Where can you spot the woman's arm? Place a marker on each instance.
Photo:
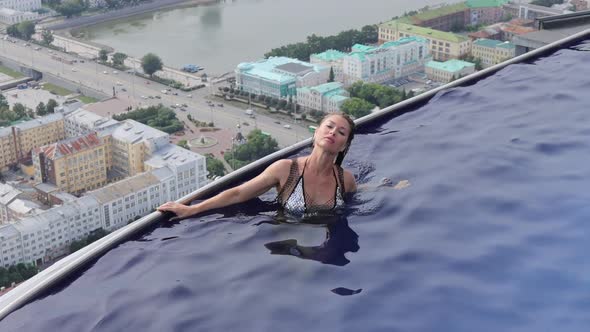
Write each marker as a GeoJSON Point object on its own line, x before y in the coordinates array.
{"type": "Point", "coordinates": [269, 178]}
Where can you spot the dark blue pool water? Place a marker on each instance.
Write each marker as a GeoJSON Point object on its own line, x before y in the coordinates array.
{"type": "Point", "coordinates": [492, 235]}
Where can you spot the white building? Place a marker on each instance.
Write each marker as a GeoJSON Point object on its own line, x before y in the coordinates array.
{"type": "Point", "coordinates": [327, 97]}
{"type": "Point", "coordinates": [8, 194]}
{"type": "Point", "coordinates": [22, 5]}
{"type": "Point", "coordinates": [385, 62]}
{"type": "Point", "coordinates": [279, 77]}
{"type": "Point", "coordinates": [10, 16]}
{"type": "Point", "coordinates": [331, 59]}
{"type": "Point", "coordinates": [82, 122]}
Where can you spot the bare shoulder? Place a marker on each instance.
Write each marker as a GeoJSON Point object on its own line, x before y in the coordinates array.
{"type": "Point", "coordinates": [279, 169]}
{"type": "Point", "coordinates": [349, 181]}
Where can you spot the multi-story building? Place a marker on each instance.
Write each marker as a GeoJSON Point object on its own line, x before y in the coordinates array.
{"type": "Point", "coordinates": [16, 11]}
{"type": "Point", "coordinates": [189, 168]}
{"type": "Point", "coordinates": [8, 194]}
{"type": "Point", "coordinates": [7, 148]}
{"type": "Point", "coordinates": [18, 140]}
{"type": "Point", "coordinates": [331, 59]}
{"type": "Point", "coordinates": [443, 18]}
{"type": "Point", "coordinates": [379, 64]}
{"type": "Point", "coordinates": [21, 5]}
{"type": "Point", "coordinates": [485, 11]}
{"type": "Point", "coordinates": [73, 165]}
{"type": "Point", "coordinates": [529, 11]}
{"type": "Point", "coordinates": [279, 77]}
{"type": "Point", "coordinates": [130, 144]}
{"type": "Point", "coordinates": [47, 235]}
{"type": "Point", "coordinates": [443, 45]}
{"type": "Point", "coordinates": [492, 52]}
{"type": "Point", "coordinates": [449, 70]}
{"type": "Point", "coordinates": [37, 132]}
{"type": "Point", "coordinates": [81, 122]}
{"type": "Point", "coordinates": [579, 5]}
{"type": "Point", "coordinates": [11, 16]}
{"type": "Point", "coordinates": [327, 97]}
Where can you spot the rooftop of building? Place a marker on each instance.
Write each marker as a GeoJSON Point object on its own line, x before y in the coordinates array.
{"type": "Point", "coordinates": [485, 3]}
{"type": "Point", "coordinates": [41, 121]}
{"type": "Point", "coordinates": [70, 146]}
{"type": "Point", "coordinates": [492, 43]}
{"type": "Point", "coordinates": [90, 119]}
{"type": "Point", "coordinates": [8, 193]}
{"type": "Point", "coordinates": [325, 88]}
{"type": "Point", "coordinates": [435, 13]}
{"type": "Point", "coordinates": [172, 155]}
{"type": "Point", "coordinates": [128, 186]}
{"type": "Point", "coordinates": [131, 131]}
{"type": "Point", "coordinates": [329, 55]}
{"type": "Point", "coordinates": [425, 32]}
{"type": "Point", "coordinates": [23, 206]}
{"type": "Point", "coordinates": [360, 51]}
{"type": "Point", "coordinates": [541, 8]}
{"type": "Point", "coordinates": [267, 68]}
{"type": "Point", "coordinates": [452, 65]}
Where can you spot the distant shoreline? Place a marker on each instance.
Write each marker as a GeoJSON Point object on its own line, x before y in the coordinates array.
{"type": "Point", "coordinates": [126, 12]}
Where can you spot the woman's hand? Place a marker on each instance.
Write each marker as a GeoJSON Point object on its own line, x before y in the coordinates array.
{"type": "Point", "coordinates": [182, 211]}
{"type": "Point", "coordinates": [386, 182]}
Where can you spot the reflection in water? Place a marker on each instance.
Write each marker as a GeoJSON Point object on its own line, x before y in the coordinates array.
{"type": "Point", "coordinates": [340, 239]}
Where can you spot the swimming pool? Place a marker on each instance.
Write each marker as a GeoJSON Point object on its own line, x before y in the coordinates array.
{"type": "Point", "coordinates": [490, 236]}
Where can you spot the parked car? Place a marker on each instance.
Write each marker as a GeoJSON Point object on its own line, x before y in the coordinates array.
{"type": "Point", "coordinates": [220, 105]}
{"type": "Point", "coordinates": [105, 72]}
{"type": "Point", "coordinates": [143, 97]}
{"type": "Point", "coordinates": [115, 72]}
{"type": "Point", "coordinates": [157, 97]}
{"type": "Point", "coordinates": [287, 126]}
{"type": "Point", "coordinates": [184, 105]}
{"type": "Point", "coordinates": [189, 96]}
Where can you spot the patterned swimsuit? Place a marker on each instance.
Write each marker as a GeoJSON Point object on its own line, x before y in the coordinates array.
{"type": "Point", "coordinates": [296, 202]}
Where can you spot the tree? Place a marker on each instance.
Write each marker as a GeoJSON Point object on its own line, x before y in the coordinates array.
{"type": "Point", "coordinates": [119, 58]}
{"type": "Point", "coordinates": [214, 166]}
{"type": "Point", "coordinates": [51, 105]}
{"type": "Point", "coordinates": [3, 102]}
{"type": "Point", "coordinates": [257, 146]}
{"type": "Point", "coordinates": [41, 110]}
{"type": "Point", "coordinates": [69, 8]}
{"type": "Point", "coordinates": [151, 63]}
{"type": "Point", "coordinates": [13, 31]}
{"type": "Point", "coordinates": [19, 108]}
{"type": "Point", "coordinates": [331, 77]}
{"type": "Point", "coordinates": [356, 107]}
{"type": "Point", "coordinates": [103, 55]}
{"type": "Point", "coordinates": [26, 29]}
{"type": "Point", "coordinates": [47, 37]}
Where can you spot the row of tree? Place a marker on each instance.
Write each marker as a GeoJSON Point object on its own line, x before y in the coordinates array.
{"type": "Point", "coordinates": [20, 112]}
{"type": "Point", "coordinates": [366, 96]}
{"type": "Point", "coordinates": [94, 235]}
{"type": "Point", "coordinates": [23, 30]}
{"type": "Point", "coordinates": [16, 273]}
{"type": "Point", "coordinates": [215, 166]}
{"type": "Point", "coordinates": [258, 145]}
{"type": "Point", "coordinates": [317, 44]}
{"type": "Point", "coordinates": [158, 116]}
{"type": "Point", "coordinates": [117, 60]}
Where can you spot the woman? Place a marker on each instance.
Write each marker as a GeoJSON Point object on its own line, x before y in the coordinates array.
{"type": "Point", "coordinates": [305, 185]}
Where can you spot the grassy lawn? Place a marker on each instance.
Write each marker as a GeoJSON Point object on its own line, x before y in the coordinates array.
{"type": "Point", "coordinates": [10, 72]}
{"type": "Point", "coordinates": [58, 90]}
{"type": "Point", "coordinates": [86, 99]}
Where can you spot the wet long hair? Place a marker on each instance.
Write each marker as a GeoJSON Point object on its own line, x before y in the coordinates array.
{"type": "Point", "coordinates": [350, 121]}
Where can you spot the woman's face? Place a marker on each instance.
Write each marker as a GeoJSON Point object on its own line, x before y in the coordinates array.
{"type": "Point", "coordinates": [332, 134]}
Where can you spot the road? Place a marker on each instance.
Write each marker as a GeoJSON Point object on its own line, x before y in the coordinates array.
{"type": "Point", "coordinates": [138, 91]}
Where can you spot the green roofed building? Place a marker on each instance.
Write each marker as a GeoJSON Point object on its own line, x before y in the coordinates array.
{"type": "Point", "coordinates": [279, 77]}
{"type": "Point", "coordinates": [449, 70]}
{"type": "Point", "coordinates": [492, 51]}
{"type": "Point", "coordinates": [376, 64]}
{"type": "Point", "coordinates": [485, 11]}
{"type": "Point", "coordinates": [443, 45]}
{"type": "Point", "coordinates": [443, 18]}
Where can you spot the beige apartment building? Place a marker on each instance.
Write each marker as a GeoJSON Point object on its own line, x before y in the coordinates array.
{"type": "Point", "coordinates": [16, 142]}
{"type": "Point", "coordinates": [443, 45]}
{"type": "Point", "coordinates": [74, 165]}
{"type": "Point", "coordinates": [492, 52]}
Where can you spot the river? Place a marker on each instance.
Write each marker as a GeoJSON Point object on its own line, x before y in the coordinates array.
{"type": "Point", "coordinates": [221, 35]}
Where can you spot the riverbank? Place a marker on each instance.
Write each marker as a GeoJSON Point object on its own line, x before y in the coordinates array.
{"type": "Point", "coordinates": [127, 12]}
